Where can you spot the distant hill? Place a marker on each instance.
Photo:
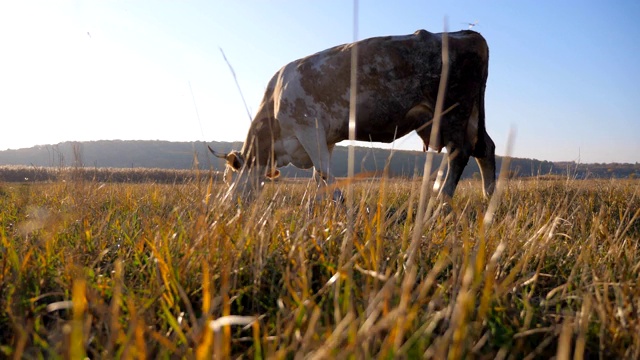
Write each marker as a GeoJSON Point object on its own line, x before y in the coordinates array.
{"type": "Point", "coordinates": [117, 154]}
{"type": "Point", "coordinates": [189, 155]}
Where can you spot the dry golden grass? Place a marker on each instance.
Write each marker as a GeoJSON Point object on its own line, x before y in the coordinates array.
{"type": "Point", "coordinates": [155, 271]}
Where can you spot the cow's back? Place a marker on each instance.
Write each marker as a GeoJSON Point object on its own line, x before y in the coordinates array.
{"type": "Point", "coordinates": [394, 73]}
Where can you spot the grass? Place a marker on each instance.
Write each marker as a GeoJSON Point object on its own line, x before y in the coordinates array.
{"type": "Point", "coordinates": [109, 270]}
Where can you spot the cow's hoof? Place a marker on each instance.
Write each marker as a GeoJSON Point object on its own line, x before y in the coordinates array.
{"type": "Point", "coordinates": [338, 197]}
{"type": "Point", "coordinates": [446, 208]}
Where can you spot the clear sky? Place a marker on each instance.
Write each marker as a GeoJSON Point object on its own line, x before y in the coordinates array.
{"type": "Point", "coordinates": [565, 75]}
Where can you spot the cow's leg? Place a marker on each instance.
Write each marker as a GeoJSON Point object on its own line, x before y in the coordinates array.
{"type": "Point", "coordinates": [458, 157]}
{"type": "Point", "coordinates": [314, 142]}
{"type": "Point", "coordinates": [486, 158]}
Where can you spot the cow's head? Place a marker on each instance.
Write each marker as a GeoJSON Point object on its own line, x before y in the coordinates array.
{"type": "Point", "coordinates": [244, 178]}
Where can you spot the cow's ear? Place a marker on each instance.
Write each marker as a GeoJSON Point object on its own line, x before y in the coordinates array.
{"type": "Point", "coordinates": [235, 160]}
{"type": "Point", "coordinates": [273, 174]}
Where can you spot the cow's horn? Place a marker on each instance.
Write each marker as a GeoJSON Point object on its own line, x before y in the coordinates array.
{"type": "Point", "coordinates": [218, 155]}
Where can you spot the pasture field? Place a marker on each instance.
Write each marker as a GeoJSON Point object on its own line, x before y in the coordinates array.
{"type": "Point", "coordinates": [106, 270]}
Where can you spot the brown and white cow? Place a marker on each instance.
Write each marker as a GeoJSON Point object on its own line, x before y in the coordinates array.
{"type": "Point", "coordinates": [305, 109]}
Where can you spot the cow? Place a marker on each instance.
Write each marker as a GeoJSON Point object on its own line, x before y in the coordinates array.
{"type": "Point", "coordinates": [305, 109]}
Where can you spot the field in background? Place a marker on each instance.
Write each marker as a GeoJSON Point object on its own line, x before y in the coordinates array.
{"type": "Point", "coordinates": [30, 174]}
{"type": "Point", "coordinates": [153, 270]}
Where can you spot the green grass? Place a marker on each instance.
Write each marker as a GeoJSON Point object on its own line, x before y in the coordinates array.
{"type": "Point", "coordinates": [156, 271]}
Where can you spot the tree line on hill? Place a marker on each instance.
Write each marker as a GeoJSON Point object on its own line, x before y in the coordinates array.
{"type": "Point", "coordinates": [194, 155]}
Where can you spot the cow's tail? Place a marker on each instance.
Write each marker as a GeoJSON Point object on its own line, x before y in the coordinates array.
{"type": "Point", "coordinates": [480, 150]}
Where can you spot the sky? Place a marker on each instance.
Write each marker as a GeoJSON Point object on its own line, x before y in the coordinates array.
{"type": "Point", "coordinates": [564, 76]}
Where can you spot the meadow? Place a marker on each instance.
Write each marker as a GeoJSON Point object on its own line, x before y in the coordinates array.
{"type": "Point", "coordinates": [115, 270]}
